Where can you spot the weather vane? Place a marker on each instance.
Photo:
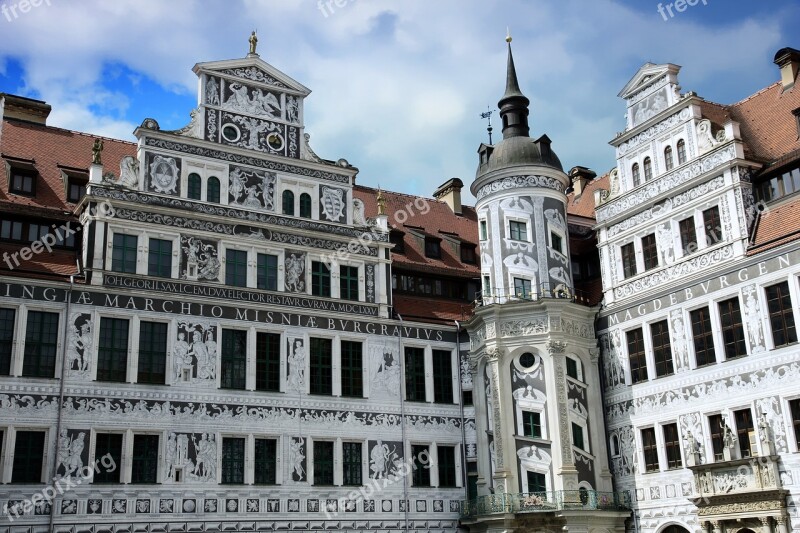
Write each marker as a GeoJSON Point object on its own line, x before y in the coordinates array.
{"type": "Point", "coordinates": [488, 115]}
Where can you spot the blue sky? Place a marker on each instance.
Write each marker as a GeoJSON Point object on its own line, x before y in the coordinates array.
{"type": "Point", "coordinates": [398, 85]}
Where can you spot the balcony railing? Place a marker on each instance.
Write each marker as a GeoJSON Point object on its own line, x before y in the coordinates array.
{"type": "Point", "coordinates": [534, 294]}
{"type": "Point", "coordinates": [546, 502]}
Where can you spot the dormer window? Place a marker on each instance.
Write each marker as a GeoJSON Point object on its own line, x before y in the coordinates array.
{"type": "Point", "coordinates": [433, 248]}
{"type": "Point", "coordinates": [468, 253]}
{"type": "Point", "coordinates": [22, 181]}
{"type": "Point", "coordinates": [396, 238]}
{"type": "Point", "coordinates": [637, 178]}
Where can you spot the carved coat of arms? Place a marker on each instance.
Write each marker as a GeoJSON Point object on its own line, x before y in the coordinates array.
{"type": "Point", "coordinates": [333, 203]}
{"type": "Point", "coordinates": [164, 174]}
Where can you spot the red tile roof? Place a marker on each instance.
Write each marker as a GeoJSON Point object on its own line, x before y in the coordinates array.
{"type": "Point", "coordinates": [766, 121]}
{"type": "Point", "coordinates": [583, 206]}
{"type": "Point", "coordinates": [777, 225]}
{"type": "Point", "coordinates": [427, 309]}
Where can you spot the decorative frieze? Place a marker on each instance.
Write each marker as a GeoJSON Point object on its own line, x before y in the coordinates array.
{"type": "Point", "coordinates": [654, 131]}
{"type": "Point", "coordinates": [518, 182]}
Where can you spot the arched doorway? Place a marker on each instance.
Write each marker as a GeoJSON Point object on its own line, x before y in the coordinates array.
{"type": "Point", "coordinates": [674, 529]}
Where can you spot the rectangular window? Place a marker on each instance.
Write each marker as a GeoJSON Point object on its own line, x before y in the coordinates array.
{"type": "Point", "coordinates": [484, 230]}
{"type": "Point", "coordinates": [233, 373]}
{"type": "Point", "coordinates": [522, 288]}
{"type": "Point", "coordinates": [487, 286]}
{"type": "Point", "coordinates": [433, 248]}
{"type": "Point", "coordinates": [577, 436]}
{"type": "Point", "coordinates": [323, 463]}
{"type": "Point", "coordinates": [236, 268]}
{"type": "Point", "coordinates": [265, 460]}
{"type": "Point", "coordinates": [321, 367]}
{"type": "Point", "coordinates": [233, 461]}
{"type": "Point", "coordinates": [781, 317]}
{"type": "Point", "coordinates": [108, 444]}
{"type": "Point", "coordinates": [794, 406]}
{"type": "Point", "coordinates": [415, 374]}
{"type": "Point", "coordinates": [112, 353]}
{"type": "Point", "coordinates": [447, 466]}
{"type": "Point", "coordinates": [348, 282]}
{"type": "Point", "coordinates": [159, 258]}
{"type": "Point", "coordinates": [703, 335]}
{"type": "Point", "coordinates": [28, 457]}
{"type": "Point", "coordinates": [11, 230]}
{"type": "Point", "coordinates": [532, 425]}
{"type": "Point", "coordinates": [396, 238]}
{"type": "Point", "coordinates": [75, 190]}
{"type": "Point", "coordinates": [717, 436]}
{"type": "Point", "coordinates": [352, 369]}
{"type": "Point", "coordinates": [145, 459]}
{"type": "Point", "coordinates": [320, 279]}
{"type": "Point", "coordinates": [267, 272]}
{"type": "Point", "coordinates": [650, 251]}
{"type": "Point", "coordinates": [557, 242]}
{"type": "Point", "coordinates": [421, 476]}
{"type": "Point", "coordinates": [650, 449]}
{"type": "Point", "coordinates": [518, 231]}
{"type": "Point", "coordinates": [537, 483]}
{"type": "Point", "coordinates": [662, 351]}
{"type": "Point", "coordinates": [672, 446]}
{"type": "Point", "coordinates": [41, 343]}
{"type": "Point", "coordinates": [268, 362]}
{"type": "Point", "coordinates": [636, 356]}
{"type": "Point", "coordinates": [123, 253]}
{"type": "Point", "coordinates": [744, 427]}
{"type": "Point", "coordinates": [351, 464]}
{"type": "Point", "coordinates": [7, 317]}
{"type": "Point", "coordinates": [442, 376]}
{"type": "Point", "coordinates": [628, 260]}
{"type": "Point", "coordinates": [688, 235]}
{"type": "Point", "coordinates": [468, 253]}
{"type": "Point", "coordinates": [152, 353]}
{"type": "Point", "coordinates": [730, 317]}
{"type": "Point", "coordinates": [572, 368]}
{"type": "Point", "coordinates": [22, 182]}
{"type": "Point", "coordinates": [712, 225]}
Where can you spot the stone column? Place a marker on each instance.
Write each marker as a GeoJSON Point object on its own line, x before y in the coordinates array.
{"type": "Point", "coordinates": [765, 525]}
{"type": "Point", "coordinates": [716, 527]}
{"type": "Point", "coordinates": [568, 473]}
{"type": "Point", "coordinates": [782, 521]}
{"type": "Point", "coordinates": [501, 473]}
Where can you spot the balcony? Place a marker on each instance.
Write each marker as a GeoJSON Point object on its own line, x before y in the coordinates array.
{"type": "Point", "coordinates": [545, 502]}
{"type": "Point", "coordinates": [738, 476]}
{"type": "Point", "coordinates": [544, 291]}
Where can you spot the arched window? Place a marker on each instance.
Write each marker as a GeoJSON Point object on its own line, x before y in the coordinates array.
{"type": "Point", "coordinates": [305, 205]}
{"type": "Point", "coordinates": [681, 152]}
{"type": "Point", "coordinates": [637, 179]}
{"type": "Point", "coordinates": [648, 169]}
{"type": "Point", "coordinates": [195, 187]}
{"type": "Point", "coordinates": [669, 163]}
{"type": "Point", "coordinates": [288, 203]}
{"type": "Point", "coordinates": [212, 190]}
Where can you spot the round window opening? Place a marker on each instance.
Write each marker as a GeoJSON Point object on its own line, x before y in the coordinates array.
{"type": "Point", "coordinates": [275, 141]}
{"type": "Point", "coordinates": [527, 360]}
{"type": "Point", "coordinates": [231, 133]}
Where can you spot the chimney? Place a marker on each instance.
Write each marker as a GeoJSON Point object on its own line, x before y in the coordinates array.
{"type": "Point", "coordinates": [788, 60]}
{"type": "Point", "coordinates": [580, 176]}
{"type": "Point", "coordinates": [449, 192]}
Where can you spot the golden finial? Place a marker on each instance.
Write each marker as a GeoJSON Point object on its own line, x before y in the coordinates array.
{"type": "Point", "coordinates": [253, 43]}
{"type": "Point", "coordinates": [508, 35]}
{"type": "Point", "coordinates": [381, 202]}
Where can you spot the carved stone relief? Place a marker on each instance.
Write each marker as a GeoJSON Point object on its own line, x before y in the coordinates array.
{"type": "Point", "coordinates": [295, 268]}
{"type": "Point", "coordinates": [79, 348]}
{"type": "Point", "coordinates": [250, 188]}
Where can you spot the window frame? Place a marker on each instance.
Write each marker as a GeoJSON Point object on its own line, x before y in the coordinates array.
{"type": "Point", "coordinates": [233, 363]}
{"type": "Point", "coordinates": [703, 336]}
{"type": "Point", "coordinates": [650, 450]}
{"type": "Point", "coordinates": [352, 469]}
{"type": "Point", "coordinates": [265, 467]}
{"type": "Point", "coordinates": [7, 344]}
{"type": "Point", "coordinates": [351, 364]}
{"type": "Point", "coordinates": [628, 255]}
{"type": "Point", "coordinates": [640, 356]}
{"type": "Point", "coordinates": [103, 475]}
{"type": "Point", "coordinates": [287, 202]}
{"type": "Point", "coordinates": [532, 424]}
{"type": "Point", "coordinates": [233, 461]}
{"type": "Point", "coordinates": [236, 267]}
{"type": "Point", "coordinates": [414, 368]}
{"type": "Point", "coordinates": [518, 230]}
{"type": "Point", "coordinates": [442, 370]}
{"type": "Point", "coordinates": [688, 231]}
{"type": "Point", "coordinates": [157, 359]}
{"type": "Point", "coordinates": [320, 279]}
{"type": "Point", "coordinates": [669, 161]}
{"type": "Point", "coordinates": [780, 313]}
{"type": "Point", "coordinates": [26, 174]}
{"type": "Point", "coordinates": [157, 257]}
{"type": "Point", "coordinates": [711, 224]}
{"type": "Point", "coordinates": [194, 186]}
{"type": "Point", "coordinates": [681, 149]}
{"type": "Point", "coordinates": [29, 453]}
{"type": "Point", "coordinates": [268, 364]}
{"type": "Point", "coordinates": [324, 456]}
{"type": "Point", "coordinates": [141, 465]}
{"type": "Point", "coordinates": [320, 366]}
{"type": "Point", "coordinates": [661, 346]}
{"type": "Point", "coordinates": [672, 446]}
{"type": "Point", "coordinates": [122, 264]}
{"type": "Point", "coordinates": [213, 190]}
{"type": "Point", "coordinates": [448, 478]}
{"type": "Point", "coordinates": [421, 473]}
{"type": "Point", "coordinates": [349, 286]}
{"type": "Point", "coordinates": [732, 334]}
{"type": "Point", "coordinates": [36, 363]}
{"type": "Point", "coordinates": [108, 366]}
{"type": "Point", "coordinates": [647, 165]}
{"type": "Point", "coordinates": [650, 251]}
{"type": "Point", "coordinates": [305, 205]}
{"type": "Point", "coordinates": [267, 273]}
{"type": "Point", "coordinates": [636, 175]}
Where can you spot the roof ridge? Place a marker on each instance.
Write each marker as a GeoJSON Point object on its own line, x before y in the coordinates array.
{"type": "Point", "coordinates": [76, 132]}
{"type": "Point", "coordinates": [757, 93]}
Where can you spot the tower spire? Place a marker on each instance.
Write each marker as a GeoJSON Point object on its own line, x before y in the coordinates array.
{"type": "Point", "coordinates": [514, 105]}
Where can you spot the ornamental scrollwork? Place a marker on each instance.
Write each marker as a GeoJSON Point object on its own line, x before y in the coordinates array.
{"type": "Point", "coordinates": [514, 182]}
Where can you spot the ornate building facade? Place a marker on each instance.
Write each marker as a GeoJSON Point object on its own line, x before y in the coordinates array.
{"type": "Point", "coordinates": [697, 230]}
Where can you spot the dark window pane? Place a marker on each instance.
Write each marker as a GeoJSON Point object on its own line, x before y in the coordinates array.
{"type": "Point", "coordinates": [123, 254]}
{"type": "Point", "coordinates": [650, 251]}
{"type": "Point", "coordinates": [669, 163]}
{"type": "Point", "coordinates": [650, 449]}
{"type": "Point", "coordinates": [537, 482]}
{"type": "Point", "coordinates": [703, 335]}
{"type": "Point", "coordinates": [713, 227]}
{"type": "Point", "coordinates": [212, 190]}
{"type": "Point", "coordinates": [532, 425]}
{"type": "Point", "coordinates": [236, 268]}
{"type": "Point", "coordinates": [447, 466]}
{"type": "Point", "coordinates": [351, 463]}
{"type": "Point", "coordinates": [268, 361]}
{"type": "Point", "coordinates": [636, 355]}
{"type": "Point", "coordinates": [348, 282]}
{"type": "Point", "coordinates": [41, 343]}
{"type": "Point", "coordinates": [794, 406]}
{"type": "Point", "coordinates": [744, 427]}
{"type": "Point", "coordinates": [672, 446]}
{"type": "Point", "coordinates": [628, 260]}
{"type": "Point", "coordinates": [7, 317]}
{"type": "Point", "coordinates": [717, 436]}
{"type": "Point", "coordinates": [234, 359]}
{"type": "Point", "coordinates": [352, 371]}
{"type": "Point", "coordinates": [323, 463]}
{"type": "Point", "coordinates": [732, 330]}
{"type": "Point", "coordinates": [415, 374]}
{"type": "Point", "coordinates": [265, 460]}
{"type": "Point", "coordinates": [518, 231]}
{"type": "Point", "coordinates": [288, 202]}
{"type": "Point", "coordinates": [195, 187]}
{"type": "Point", "coordinates": [577, 436]}
{"type": "Point", "coordinates": [421, 476]}
{"type": "Point", "coordinates": [28, 457]}
{"type": "Point", "coordinates": [433, 248]}
{"type": "Point", "coordinates": [781, 317]}
{"type": "Point", "coordinates": [159, 258]}
{"type": "Point", "coordinates": [305, 205]}
{"type": "Point", "coordinates": [152, 353]}
{"type": "Point", "coordinates": [145, 459]}
{"type": "Point", "coordinates": [648, 169]}
{"type": "Point", "coordinates": [320, 279]}
{"type": "Point", "coordinates": [442, 376]}
{"type": "Point", "coordinates": [108, 445]}
{"type": "Point", "coordinates": [688, 235]}
{"type": "Point", "coordinates": [233, 460]}
{"type": "Point", "coordinates": [112, 353]}
{"type": "Point", "coordinates": [636, 174]}
{"type": "Point", "coordinates": [321, 367]}
{"type": "Point", "coordinates": [662, 351]}
{"type": "Point", "coordinates": [572, 368]}
{"type": "Point", "coordinates": [267, 275]}
{"type": "Point", "coordinates": [681, 152]}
